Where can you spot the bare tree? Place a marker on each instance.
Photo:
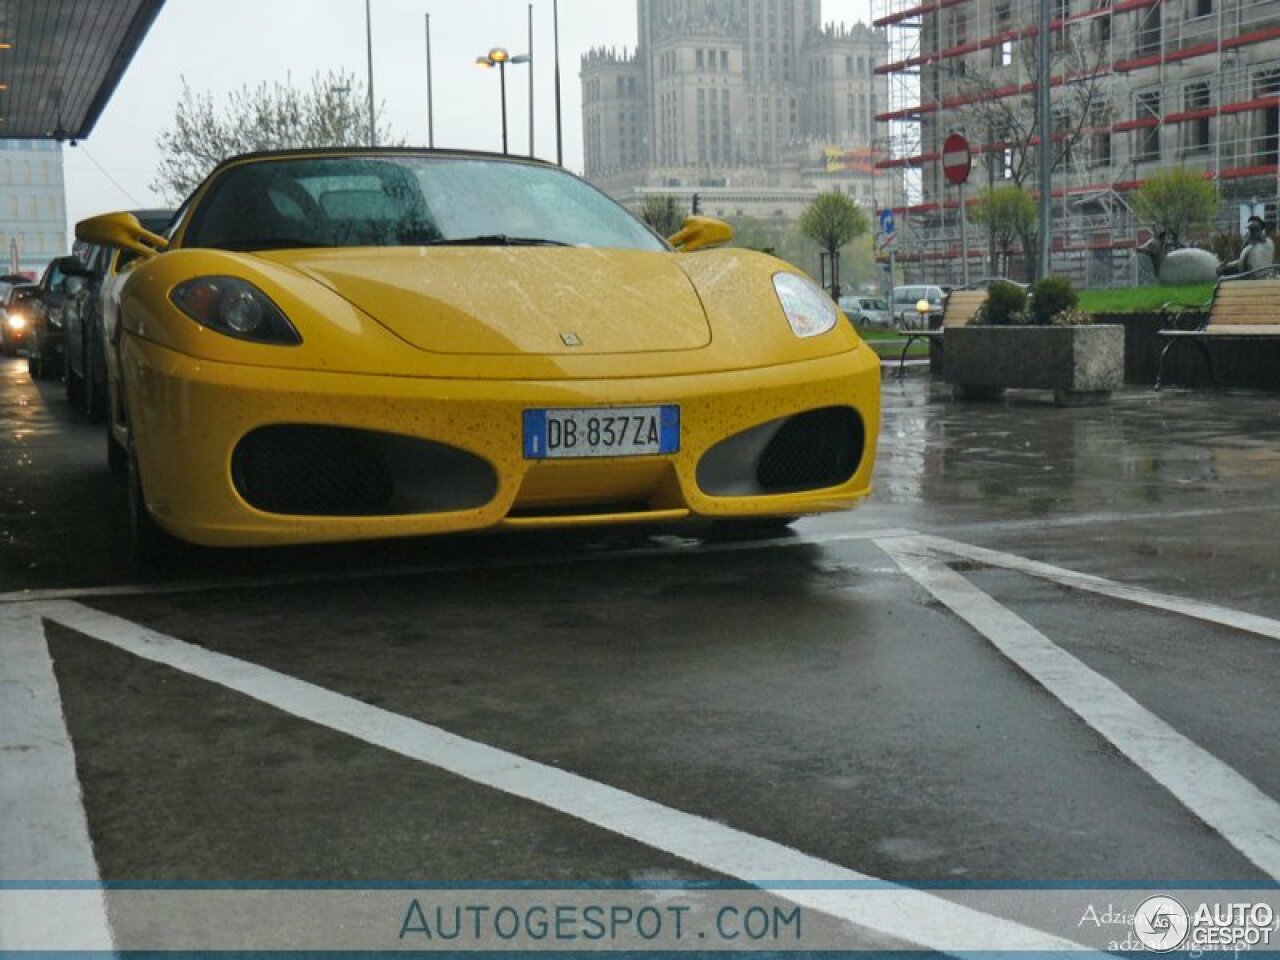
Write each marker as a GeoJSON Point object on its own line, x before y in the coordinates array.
{"type": "Point", "coordinates": [1007, 117]}
{"type": "Point", "coordinates": [662, 213]}
{"type": "Point", "coordinates": [1004, 114]}
{"type": "Point", "coordinates": [332, 113]}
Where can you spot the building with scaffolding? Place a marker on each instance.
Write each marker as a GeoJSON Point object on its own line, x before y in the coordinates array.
{"type": "Point", "coordinates": [753, 105]}
{"type": "Point", "coordinates": [1138, 86]}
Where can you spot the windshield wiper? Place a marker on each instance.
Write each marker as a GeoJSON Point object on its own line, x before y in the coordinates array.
{"type": "Point", "coordinates": [496, 240]}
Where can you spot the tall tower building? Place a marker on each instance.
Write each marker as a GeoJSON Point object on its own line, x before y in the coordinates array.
{"type": "Point", "coordinates": [753, 104]}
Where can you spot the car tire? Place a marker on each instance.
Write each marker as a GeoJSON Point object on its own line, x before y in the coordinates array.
{"type": "Point", "coordinates": [95, 401]}
{"type": "Point", "coordinates": [74, 384]}
{"type": "Point", "coordinates": [117, 456]}
{"type": "Point", "coordinates": [151, 545]}
{"type": "Point", "coordinates": [749, 528]}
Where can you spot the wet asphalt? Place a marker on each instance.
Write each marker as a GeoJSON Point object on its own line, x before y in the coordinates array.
{"type": "Point", "coordinates": [803, 690]}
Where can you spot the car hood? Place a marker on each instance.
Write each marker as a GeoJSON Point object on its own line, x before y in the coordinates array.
{"type": "Point", "coordinates": [516, 300]}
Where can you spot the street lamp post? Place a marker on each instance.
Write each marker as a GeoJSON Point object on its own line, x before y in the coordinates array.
{"type": "Point", "coordinates": [499, 57]}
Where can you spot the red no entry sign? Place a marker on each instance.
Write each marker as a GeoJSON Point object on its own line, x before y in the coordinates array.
{"type": "Point", "coordinates": [957, 159]}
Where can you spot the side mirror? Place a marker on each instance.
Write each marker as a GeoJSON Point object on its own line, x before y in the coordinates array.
{"type": "Point", "coordinates": [698, 233]}
{"type": "Point", "coordinates": [122, 231]}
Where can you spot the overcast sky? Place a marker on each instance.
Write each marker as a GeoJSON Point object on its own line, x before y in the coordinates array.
{"type": "Point", "coordinates": [220, 45]}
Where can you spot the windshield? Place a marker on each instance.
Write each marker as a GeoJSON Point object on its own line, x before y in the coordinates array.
{"type": "Point", "coordinates": [406, 200]}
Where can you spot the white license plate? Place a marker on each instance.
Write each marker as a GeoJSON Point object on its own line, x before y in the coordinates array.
{"type": "Point", "coordinates": [601, 432]}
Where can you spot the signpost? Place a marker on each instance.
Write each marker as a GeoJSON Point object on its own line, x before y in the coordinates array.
{"type": "Point", "coordinates": [957, 161]}
{"type": "Point", "coordinates": [887, 227]}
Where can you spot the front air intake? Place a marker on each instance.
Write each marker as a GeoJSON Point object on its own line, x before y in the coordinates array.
{"type": "Point", "coordinates": [806, 451]}
{"type": "Point", "coordinates": [311, 470]}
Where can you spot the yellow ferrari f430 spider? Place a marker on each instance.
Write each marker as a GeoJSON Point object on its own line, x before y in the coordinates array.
{"type": "Point", "coordinates": [356, 343]}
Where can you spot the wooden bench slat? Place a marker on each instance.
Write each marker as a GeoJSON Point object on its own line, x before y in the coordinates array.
{"type": "Point", "coordinates": [1243, 329]}
{"type": "Point", "coordinates": [1251, 319]}
{"type": "Point", "coordinates": [962, 306]}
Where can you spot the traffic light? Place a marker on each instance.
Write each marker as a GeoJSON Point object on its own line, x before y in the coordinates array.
{"type": "Point", "coordinates": [697, 205]}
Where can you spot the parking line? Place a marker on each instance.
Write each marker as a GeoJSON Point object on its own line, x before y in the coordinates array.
{"type": "Point", "coordinates": [44, 835]}
{"type": "Point", "coordinates": [910, 915]}
{"type": "Point", "coordinates": [412, 570]}
{"type": "Point", "coordinates": [1246, 817]}
{"type": "Point", "coordinates": [1208, 612]}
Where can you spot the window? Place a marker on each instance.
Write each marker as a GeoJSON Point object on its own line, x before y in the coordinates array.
{"type": "Point", "coordinates": [1148, 38]}
{"type": "Point", "coordinates": [1199, 8]}
{"type": "Point", "coordinates": [1266, 83]}
{"type": "Point", "coordinates": [1062, 133]}
{"type": "Point", "coordinates": [1002, 55]}
{"type": "Point", "coordinates": [1196, 97]}
{"type": "Point", "coordinates": [698, 60]}
{"type": "Point", "coordinates": [1100, 136]}
{"type": "Point", "coordinates": [1147, 146]}
{"type": "Point", "coordinates": [724, 60]}
{"type": "Point", "coordinates": [1102, 27]}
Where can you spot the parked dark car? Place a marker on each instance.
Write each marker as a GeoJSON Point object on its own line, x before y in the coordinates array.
{"type": "Point", "coordinates": [83, 329]}
{"type": "Point", "coordinates": [63, 277]}
{"type": "Point", "coordinates": [21, 302]}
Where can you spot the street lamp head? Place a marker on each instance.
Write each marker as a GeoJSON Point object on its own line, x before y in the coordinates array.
{"type": "Point", "coordinates": [499, 55]}
{"type": "Point", "coordinates": [521, 58]}
{"type": "Point", "coordinates": [484, 62]}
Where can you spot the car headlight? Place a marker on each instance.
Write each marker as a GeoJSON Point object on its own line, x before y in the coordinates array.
{"type": "Point", "coordinates": [809, 310]}
{"type": "Point", "coordinates": [17, 321]}
{"type": "Point", "coordinates": [236, 308]}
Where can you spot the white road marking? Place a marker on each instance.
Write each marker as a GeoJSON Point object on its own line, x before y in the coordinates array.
{"type": "Point", "coordinates": [902, 913]}
{"type": "Point", "coordinates": [410, 570]}
{"type": "Point", "coordinates": [44, 835]}
{"type": "Point", "coordinates": [1245, 816]}
{"type": "Point", "coordinates": [1208, 612]}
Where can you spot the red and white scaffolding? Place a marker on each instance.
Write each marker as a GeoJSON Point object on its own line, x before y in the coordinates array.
{"type": "Point", "coordinates": [1191, 83]}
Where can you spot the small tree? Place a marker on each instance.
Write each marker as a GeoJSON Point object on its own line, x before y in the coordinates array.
{"type": "Point", "coordinates": [1009, 214]}
{"type": "Point", "coordinates": [333, 113]}
{"type": "Point", "coordinates": [1005, 305]}
{"type": "Point", "coordinates": [831, 221]}
{"type": "Point", "coordinates": [1176, 202]}
{"type": "Point", "coordinates": [662, 214]}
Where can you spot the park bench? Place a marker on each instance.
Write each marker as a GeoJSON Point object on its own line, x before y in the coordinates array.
{"type": "Point", "coordinates": [1243, 307]}
{"type": "Point", "coordinates": [961, 307]}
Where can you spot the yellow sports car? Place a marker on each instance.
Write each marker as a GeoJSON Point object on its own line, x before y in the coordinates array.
{"type": "Point", "coordinates": [343, 344]}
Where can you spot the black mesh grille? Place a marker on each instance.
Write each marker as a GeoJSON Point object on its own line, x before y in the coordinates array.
{"type": "Point", "coordinates": [311, 470]}
{"type": "Point", "coordinates": [820, 448]}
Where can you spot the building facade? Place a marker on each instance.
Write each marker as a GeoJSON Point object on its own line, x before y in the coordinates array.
{"type": "Point", "coordinates": [33, 205]}
{"type": "Point", "coordinates": [753, 105]}
{"type": "Point", "coordinates": [1137, 87]}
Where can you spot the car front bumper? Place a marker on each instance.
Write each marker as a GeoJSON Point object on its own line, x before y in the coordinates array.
{"type": "Point", "coordinates": [191, 416]}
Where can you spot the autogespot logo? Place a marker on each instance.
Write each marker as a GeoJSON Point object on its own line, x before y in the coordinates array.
{"type": "Point", "coordinates": [1161, 923]}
